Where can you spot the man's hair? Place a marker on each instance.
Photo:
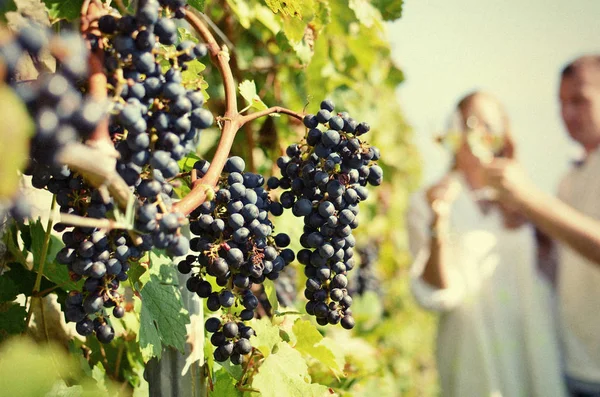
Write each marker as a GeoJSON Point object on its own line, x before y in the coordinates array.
{"type": "Point", "coordinates": [579, 64]}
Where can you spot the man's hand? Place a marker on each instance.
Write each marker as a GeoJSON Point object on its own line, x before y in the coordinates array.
{"type": "Point", "coordinates": [509, 180]}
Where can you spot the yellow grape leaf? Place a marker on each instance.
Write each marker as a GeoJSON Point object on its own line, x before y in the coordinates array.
{"type": "Point", "coordinates": [14, 140]}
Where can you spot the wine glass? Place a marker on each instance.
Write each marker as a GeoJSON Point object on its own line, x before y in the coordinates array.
{"type": "Point", "coordinates": [486, 140]}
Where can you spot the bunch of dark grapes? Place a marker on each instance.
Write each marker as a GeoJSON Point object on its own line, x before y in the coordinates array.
{"type": "Point", "coordinates": [100, 258]}
{"type": "Point", "coordinates": [324, 178]}
{"type": "Point", "coordinates": [60, 112]}
{"type": "Point", "coordinates": [236, 247]}
{"type": "Point", "coordinates": [366, 278]}
{"type": "Point", "coordinates": [156, 120]}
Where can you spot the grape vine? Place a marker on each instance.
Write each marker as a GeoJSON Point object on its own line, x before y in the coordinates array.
{"type": "Point", "coordinates": [116, 128]}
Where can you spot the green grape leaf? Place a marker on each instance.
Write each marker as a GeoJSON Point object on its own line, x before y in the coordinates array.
{"type": "Point", "coordinates": [31, 369]}
{"type": "Point", "coordinates": [182, 190]}
{"type": "Point", "coordinates": [12, 244]}
{"type": "Point", "coordinates": [99, 375]}
{"type": "Point", "coordinates": [185, 35]}
{"type": "Point", "coordinates": [301, 33]}
{"type": "Point", "coordinates": [224, 385]}
{"type": "Point", "coordinates": [322, 15]}
{"type": "Point", "coordinates": [53, 271]}
{"type": "Point", "coordinates": [303, 51]}
{"type": "Point", "coordinates": [266, 17]}
{"type": "Point", "coordinates": [186, 164]}
{"type": "Point", "coordinates": [271, 293]}
{"type": "Point", "coordinates": [308, 341]}
{"type": "Point", "coordinates": [267, 335]}
{"type": "Point", "coordinates": [136, 271]}
{"type": "Point", "coordinates": [14, 140]}
{"type": "Point", "coordinates": [163, 317]}
{"type": "Point", "coordinates": [38, 235]}
{"type": "Point", "coordinates": [285, 373]}
{"type": "Point", "coordinates": [395, 76]}
{"type": "Point", "coordinates": [294, 29]}
{"type": "Point", "coordinates": [365, 12]}
{"type": "Point", "coordinates": [193, 78]}
{"type": "Point", "coordinates": [60, 389]}
{"type": "Point", "coordinates": [64, 9]}
{"type": "Point", "coordinates": [197, 4]}
{"type": "Point", "coordinates": [8, 288]}
{"type": "Point", "coordinates": [234, 371]}
{"type": "Point", "coordinates": [390, 9]}
{"type": "Point", "coordinates": [12, 319]}
{"type": "Point", "coordinates": [22, 279]}
{"type": "Point", "coordinates": [290, 8]}
{"type": "Point", "coordinates": [247, 89]}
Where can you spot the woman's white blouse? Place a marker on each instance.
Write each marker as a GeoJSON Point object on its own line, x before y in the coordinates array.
{"type": "Point", "coordinates": [496, 334]}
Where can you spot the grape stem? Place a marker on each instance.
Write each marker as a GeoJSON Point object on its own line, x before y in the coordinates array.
{"type": "Point", "coordinates": [232, 120]}
{"type": "Point", "coordinates": [275, 109]}
{"type": "Point", "coordinates": [41, 265]}
{"type": "Point", "coordinates": [107, 224]}
{"type": "Point", "coordinates": [45, 292]}
{"type": "Point", "coordinates": [118, 362]}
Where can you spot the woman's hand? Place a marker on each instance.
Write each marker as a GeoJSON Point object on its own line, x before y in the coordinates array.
{"type": "Point", "coordinates": [441, 196]}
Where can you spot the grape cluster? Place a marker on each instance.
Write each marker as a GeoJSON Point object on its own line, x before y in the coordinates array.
{"type": "Point", "coordinates": [156, 120]}
{"type": "Point", "coordinates": [236, 250]}
{"type": "Point", "coordinates": [101, 258]}
{"type": "Point", "coordinates": [60, 112]}
{"type": "Point", "coordinates": [324, 179]}
{"type": "Point", "coordinates": [103, 261]}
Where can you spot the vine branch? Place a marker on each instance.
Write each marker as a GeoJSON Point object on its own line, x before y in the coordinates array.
{"type": "Point", "coordinates": [220, 58]}
{"type": "Point", "coordinates": [275, 109]}
{"type": "Point", "coordinates": [232, 120]}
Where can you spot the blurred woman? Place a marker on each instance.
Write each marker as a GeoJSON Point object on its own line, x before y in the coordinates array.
{"type": "Point", "coordinates": [475, 264]}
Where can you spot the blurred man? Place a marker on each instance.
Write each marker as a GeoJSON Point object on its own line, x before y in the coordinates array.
{"type": "Point", "coordinates": [573, 220]}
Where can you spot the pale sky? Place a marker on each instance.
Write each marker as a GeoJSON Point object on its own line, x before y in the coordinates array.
{"type": "Point", "coordinates": [510, 48]}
